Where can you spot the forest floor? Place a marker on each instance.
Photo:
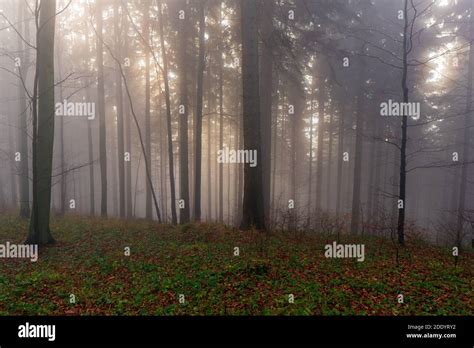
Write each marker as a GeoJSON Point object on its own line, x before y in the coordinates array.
{"type": "Point", "coordinates": [198, 261]}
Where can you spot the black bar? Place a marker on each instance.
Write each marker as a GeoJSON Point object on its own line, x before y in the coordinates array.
{"type": "Point", "coordinates": [241, 330]}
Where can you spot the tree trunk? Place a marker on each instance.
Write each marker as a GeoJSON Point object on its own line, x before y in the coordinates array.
{"type": "Point", "coordinates": [330, 131]}
{"type": "Point", "coordinates": [355, 215]}
{"type": "Point", "coordinates": [266, 83]}
{"type": "Point", "coordinates": [467, 136]}
{"type": "Point", "coordinates": [43, 127]}
{"type": "Point", "coordinates": [319, 160]}
{"type": "Point", "coordinates": [183, 115]}
{"type": "Point", "coordinates": [403, 148]}
{"type": "Point", "coordinates": [210, 111]}
{"type": "Point", "coordinates": [146, 38]}
{"type": "Point", "coordinates": [221, 137]}
{"type": "Point", "coordinates": [340, 148]}
{"type": "Point", "coordinates": [198, 117]}
{"type": "Point", "coordinates": [23, 125]}
{"type": "Point", "coordinates": [174, 219]}
{"type": "Point", "coordinates": [101, 106]}
{"type": "Point", "coordinates": [253, 210]}
{"type": "Point", "coordinates": [119, 101]}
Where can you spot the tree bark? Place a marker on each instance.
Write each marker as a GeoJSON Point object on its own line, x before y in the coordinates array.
{"type": "Point", "coordinates": [174, 219]}
{"type": "Point", "coordinates": [43, 127]}
{"type": "Point", "coordinates": [101, 107]}
{"type": "Point", "coordinates": [253, 213]}
{"type": "Point", "coordinates": [198, 116]}
{"type": "Point", "coordinates": [183, 115]}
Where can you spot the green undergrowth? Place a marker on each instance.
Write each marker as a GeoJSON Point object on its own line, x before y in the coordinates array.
{"type": "Point", "coordinates": [198, 261]}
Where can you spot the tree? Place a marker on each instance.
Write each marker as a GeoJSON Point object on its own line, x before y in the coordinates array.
{"type": "Point", "coordinates": [266, 83]}
{"type": "Point", "coordinates": [22, 126]}
{"type": "Point", "coordinates": [183, 113]}
{"type": "Point", "coordinates": [119, 105]}
{"type": "Point", "coordinates": [168, 118]}
{"type": "Point", "coordinates": [43, 126]}
{"type": "Point", "coordinates": [319, 160]}
{"type": "Point", "coordinates": [253, 213]}
{"type": "Point", "coordinates": [101, 107]}
{"type": "Point", "coordinates": [198, 115]}
{"type": "Point", "coordinates": [355, 217]}
{"type": "Point", "coordinates": [467, 134]}
{"type": "Point", "coordinates": [403, 146]}
{"type": "Point", "coordinates": [146, 37]}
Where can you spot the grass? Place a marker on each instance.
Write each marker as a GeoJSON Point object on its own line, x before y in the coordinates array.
{"type": "Point", "coordinates": [198, 260]}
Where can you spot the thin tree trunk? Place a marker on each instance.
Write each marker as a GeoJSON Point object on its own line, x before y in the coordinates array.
{"type": "Point", "coordinates": [356, 183]}
{"type": "Point", "coordinates": [319, 161]}
{"type": "Point", "coordinates": [119, 104]}
{"type": "Point", "coordinates": [403, 147]}
{"type": "Point", "coordinates": [340, 148]}
{"type": "Point", "coordinates": [210, 111]}
{"type": "Point", "coordinates": [221, 137]}
{"type": "Point", "coordinates": [146, 37]}
{"type": "Point", "coordinates": [22, 125]}
{"type": "Point", "coordinates": [266, 83]}
{"type": "Point", "coordinates": [198, 117]}
{"type": "Point", "coordinates": [101, 106]}
{"type": "Point", "coordinates": [330, 131]}
{"type": "Point", "coordinates": [183, 116]}
{"type": "Point", "coordinates": [174, 219]}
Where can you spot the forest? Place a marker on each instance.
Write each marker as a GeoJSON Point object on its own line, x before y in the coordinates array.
{"type": "Point", "coordinates": [236, 157]}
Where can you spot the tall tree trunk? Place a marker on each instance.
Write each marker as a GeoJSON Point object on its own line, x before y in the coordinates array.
{"type": "Point", "coordinates": [356, 183]}
{"type": "Point", "coordinates": [240, 184]}
{"type": "Point", "coordinates": [146, 37]}
{"type": "Point", "coordinates": [112, 146]}
{"type": "Point", "coordinates": [13, 181]}
{"type": "Point", "coordinates": [119, 101]}
{"type": "Point", "coordinates": [310, 163]}
{"type": "Point", "coordinates": [63, 186]}
{"type": "Point", "coordinates": [198, 116]}
{"type": "Point", "coordinates": [43, 126]}
{"type": "Point", "coordinates": [340, 148]}
{"type": "Point", "coordinates": [330, 141]}
{"type": "Point", "coordinates": [22, 124]}
{"type": "Point", "coordinates": [210, 110]}
{"type": "Point", "coordinates": [221, 136]}
{"type": "Point", "coordinates": [374, 208]}
{"type": "Point", "coordinates": [467, 135]}
{"type": "Point", "coordinates": [183, 115]}
{"type": "Point", "coordinates": [403, 147]}
{"type": "Point", "coordinates": [128, 164]}
{"type": "Point", "coordinates": [101, 106]}
{"type": "Point", "coordinates": [174, 219]}
{"type": "Point", "coordinates": [319, 160]}
{"type": "Point", "coordinates": [164, 195]}
{"type": "Point", "coordinates": [266, 83]}
{"type": "Point", "coordinates": [253, 210]}
{"type": "Point", "coordinates": [274, 156]}
{"type": "Point", "coordinates": [91, 170]}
